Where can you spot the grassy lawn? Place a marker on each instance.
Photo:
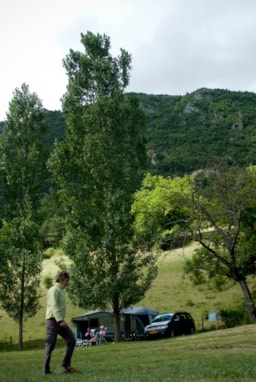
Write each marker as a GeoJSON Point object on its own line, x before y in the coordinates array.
{"type": "Point", "coordinates": [219, 355]}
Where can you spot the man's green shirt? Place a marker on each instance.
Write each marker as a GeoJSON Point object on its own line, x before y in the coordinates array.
{"type": "Point", "coordinates": [56, 303]}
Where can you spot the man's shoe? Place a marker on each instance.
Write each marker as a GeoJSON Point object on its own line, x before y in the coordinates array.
{"type": "Point", "coordinates": [70, 370]}
{"type": "Point", "coordinates": [47, 372]}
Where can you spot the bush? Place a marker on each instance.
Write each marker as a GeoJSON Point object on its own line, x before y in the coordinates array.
{"type": "Point", "coordinates": [48, 282]}
{"type": "Point", "coordinates": [48, 253]}
{"type": "Point", "coordinates": [234, 317]}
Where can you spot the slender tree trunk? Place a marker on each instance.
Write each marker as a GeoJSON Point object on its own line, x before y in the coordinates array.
{"type": "Point", "coordinates": [117, 321]}
{"type": "Point", "coordinates": [21, 312]}
{"type": "Point", "coordinates": [248, 299]}
{"type": "Point", "coordinates": [20, 346]}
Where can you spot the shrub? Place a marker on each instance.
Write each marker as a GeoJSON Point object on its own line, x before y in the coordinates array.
{"type": "Point", "coordinates": [48, 282]}
{"type": "Point", "coordinates": [190, 303]}
{"type": "Point", "coordinates": [48, 253]}
{"type": "Point", "coordinates": [234, 316]}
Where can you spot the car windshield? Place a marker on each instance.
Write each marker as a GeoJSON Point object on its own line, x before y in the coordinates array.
{"type": "Point", "coordinates": [165, 317]}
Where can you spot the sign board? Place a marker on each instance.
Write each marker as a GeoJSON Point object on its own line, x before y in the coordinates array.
{"type": "Point", "coordinates": [213, 316]}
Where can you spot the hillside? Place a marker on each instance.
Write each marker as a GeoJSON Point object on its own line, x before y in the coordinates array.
{"type": "Point", "coordinates": [187, 133]}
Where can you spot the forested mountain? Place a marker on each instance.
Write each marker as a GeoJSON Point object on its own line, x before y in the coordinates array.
{"type": "Point", "coordinates": [187, 133]}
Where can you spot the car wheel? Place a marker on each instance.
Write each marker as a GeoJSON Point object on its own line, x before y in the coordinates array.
{"type": "Point", "coordinates": [192, 331]}
{"type": "Point", "coordinates": [172, 333]}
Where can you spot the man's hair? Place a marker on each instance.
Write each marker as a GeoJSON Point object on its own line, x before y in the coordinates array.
{"type": "Point", "coordinates": [61, 276]}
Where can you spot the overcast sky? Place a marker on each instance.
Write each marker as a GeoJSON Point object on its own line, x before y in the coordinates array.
{"type": "Point", "coordinates": [177, 46]}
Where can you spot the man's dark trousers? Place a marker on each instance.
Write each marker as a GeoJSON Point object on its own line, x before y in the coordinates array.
{"type": "Point", "coordinates": [53, 329]}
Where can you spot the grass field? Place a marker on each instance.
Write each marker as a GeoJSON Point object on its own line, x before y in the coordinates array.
{"type": "Point", "coordinates": [220, 355]}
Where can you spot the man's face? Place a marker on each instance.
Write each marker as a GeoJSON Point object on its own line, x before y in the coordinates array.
{"type": "Point", "coordinates": [64, 282]}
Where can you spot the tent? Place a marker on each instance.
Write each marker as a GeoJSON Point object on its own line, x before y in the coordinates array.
{"type": "Point", "coordinates": [130, 318]}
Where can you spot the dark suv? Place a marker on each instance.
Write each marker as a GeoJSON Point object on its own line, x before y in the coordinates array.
{"type": "Point", "coordinates": [170, 325]}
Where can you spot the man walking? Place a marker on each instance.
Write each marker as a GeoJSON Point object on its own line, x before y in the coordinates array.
{"type": "Point", "coordinates": [55, 324]}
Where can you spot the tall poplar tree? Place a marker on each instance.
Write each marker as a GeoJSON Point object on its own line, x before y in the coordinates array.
{"type": "Point", "coordinates": [97, 170]}
{"type": "Point", "coordinates": [23, 174]}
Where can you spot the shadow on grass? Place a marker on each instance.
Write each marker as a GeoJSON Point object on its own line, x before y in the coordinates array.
{"type": "Point", "coordinates": [28, 345]}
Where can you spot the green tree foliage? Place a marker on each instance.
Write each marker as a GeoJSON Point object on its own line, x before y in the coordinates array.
{"type": "Point", "coordinates": [215, 208]}
{"type": "Point", "coordinates": [56, 122]}
{"type": "Point", "coordinates": [23, 174]}
{"type": "Point", "coordinates": [223, 222]}
{"type": "Point", "coordinates": [96, 169]}
{"type": "Point", "coordinates": [160, 211]}
{"type": "Point", "coordinates": [53, 220]}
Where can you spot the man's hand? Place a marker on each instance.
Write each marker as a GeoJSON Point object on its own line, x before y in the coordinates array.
{"type": "Point", "coordinates": [63, 324]}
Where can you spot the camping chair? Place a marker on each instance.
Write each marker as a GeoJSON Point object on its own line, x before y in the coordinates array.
{"type": "Point", "coordinates": [88, 342]}
{"type": "Point", "coordinates": [101, 339]}
{"type": "Point", "coordinates": [93, 340]}
{"type": "Point", "coordinates": [79, 342]}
